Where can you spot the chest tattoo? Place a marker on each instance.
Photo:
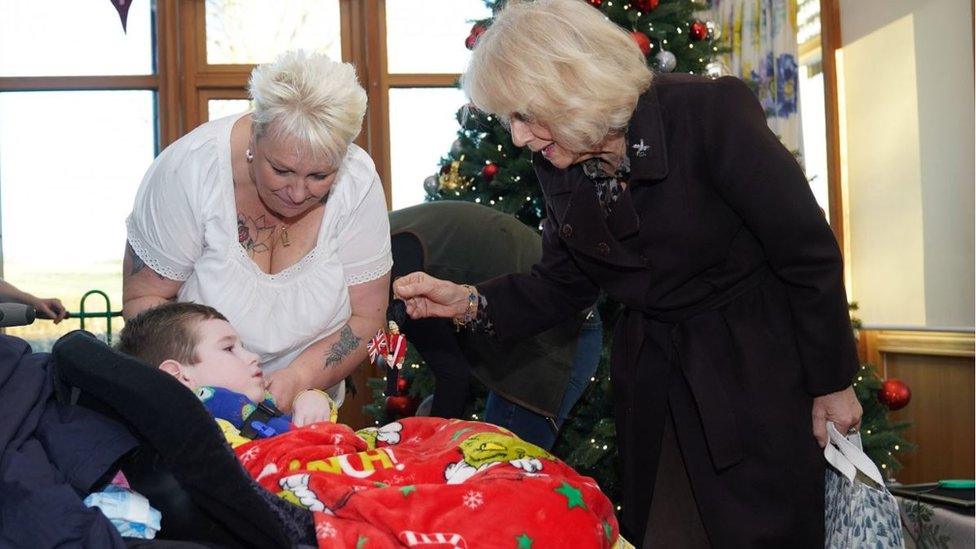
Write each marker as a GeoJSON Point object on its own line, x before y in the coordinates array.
{"type": "Point", "coordinates": [259, 235]}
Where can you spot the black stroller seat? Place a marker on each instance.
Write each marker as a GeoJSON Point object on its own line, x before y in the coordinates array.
{"type": "Point", "coordinates": [183, 466]}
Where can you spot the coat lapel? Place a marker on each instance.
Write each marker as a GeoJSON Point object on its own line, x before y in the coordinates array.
{"type": "Point", "coordinates": [589, 233]}
{"type": "Point", "coordinates": [623, 220]}
{"type": "Point", "coordinates": [647, 148]}
{"type": "Point", "coordinates": [583, 226]}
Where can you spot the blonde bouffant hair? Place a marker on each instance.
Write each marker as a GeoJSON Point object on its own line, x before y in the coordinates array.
{"type": "Point", "coordinates": [562, 64]}
{"type": "Point", "coordinates": [311, 98]}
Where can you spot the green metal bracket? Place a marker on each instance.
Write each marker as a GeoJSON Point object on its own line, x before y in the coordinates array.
{"type": "Point", "coordinates": [107, 314]}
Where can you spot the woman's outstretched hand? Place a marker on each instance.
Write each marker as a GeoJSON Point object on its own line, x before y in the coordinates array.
{"type": "Point", "coordinates": [426, 296]}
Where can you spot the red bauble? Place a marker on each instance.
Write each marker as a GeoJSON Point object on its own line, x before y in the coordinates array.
{"type": "Point", "coordinates": [476, 31]}
{"type": "Point", "coordinates": [595, 3]}
{"type": "Point", "coordinates": [489, 171]}
{"type": "Point", "coordinates": [401, 405]}
{"type": "Point", "coordinates": [894, 394]}
{"type": "Point", "coordinates": [698, 30]}
{"type": "Point", "coordinates": [646, 5]}
{"type": "Point", "coordinates": [643, 42]}
{"type": "Point", "coordinates": [401, 385]}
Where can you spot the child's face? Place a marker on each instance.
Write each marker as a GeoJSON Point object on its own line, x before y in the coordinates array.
{"type": "Point", "coordinates": [223, 362]}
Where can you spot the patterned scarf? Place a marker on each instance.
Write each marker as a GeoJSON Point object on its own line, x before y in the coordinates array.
{"type": "Point", "coordinates": [608, 185]}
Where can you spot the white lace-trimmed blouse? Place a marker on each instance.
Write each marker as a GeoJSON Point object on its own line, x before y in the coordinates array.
{"type": "Point", "coordinates": [184, 227]}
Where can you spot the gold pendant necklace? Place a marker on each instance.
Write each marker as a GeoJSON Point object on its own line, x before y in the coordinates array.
{"type": "Point", "coordinates": [285, 241]}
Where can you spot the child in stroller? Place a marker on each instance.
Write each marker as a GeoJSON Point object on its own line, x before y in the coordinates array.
{"type": "Point", "coordinates": [418, 481]}
{"type": "Point", "coordinates": [197, 345]}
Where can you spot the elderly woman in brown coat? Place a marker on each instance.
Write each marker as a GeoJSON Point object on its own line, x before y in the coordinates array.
{"type": "Point", "coordinates": [670, 194]}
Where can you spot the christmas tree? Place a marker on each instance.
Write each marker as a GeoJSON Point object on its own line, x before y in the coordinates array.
{"type": "Point", "coordinates": [483, 166]}
{"type": "Point", "coordinates": [879, 437]}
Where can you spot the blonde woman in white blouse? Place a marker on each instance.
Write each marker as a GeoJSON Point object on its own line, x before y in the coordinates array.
{"type": "Point", "coordinates": [277, 220]}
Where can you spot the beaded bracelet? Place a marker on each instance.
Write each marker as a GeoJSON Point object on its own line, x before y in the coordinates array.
{"type": "Point", "coordinates": [472, 310]}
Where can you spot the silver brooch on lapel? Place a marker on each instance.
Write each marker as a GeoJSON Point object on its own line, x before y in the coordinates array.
{"type": "Point", "coordinates": [641, 148]}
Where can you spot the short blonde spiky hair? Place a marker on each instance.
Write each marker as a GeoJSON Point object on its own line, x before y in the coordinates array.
{"type": "Point", "coordinates": [311, 98]}
{"type": "Point", "coordinates": [563, 64]}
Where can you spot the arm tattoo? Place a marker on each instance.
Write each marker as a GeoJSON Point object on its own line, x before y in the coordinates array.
{"type": "Point", "coordinates": [137, 263]}
{"type": "Point", "coordinates": [347, 343]}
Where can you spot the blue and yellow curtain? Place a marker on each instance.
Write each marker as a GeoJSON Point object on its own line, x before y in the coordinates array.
{"type": "Point", "coordinates": [761, 35]}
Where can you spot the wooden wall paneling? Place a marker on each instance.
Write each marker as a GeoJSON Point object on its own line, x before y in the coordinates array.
{"type": "Point", "coordinates": [925, 343]}
{"type": "Point", "coordinates": [940, 413]}
{"type": "Point", "coordinates": [939, 368]}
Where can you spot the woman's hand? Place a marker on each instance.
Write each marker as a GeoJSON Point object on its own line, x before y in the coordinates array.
{"type": "Point", "coordinates": [50, 308]}
{"type": "Point", "coordinates": [284, 385]}
{"type": "Point", "coordinates": [841, 407]}
{"type": "Point", "coordinates": [426, 296]}
{"type": "Point", "coordinates": [311, 406]}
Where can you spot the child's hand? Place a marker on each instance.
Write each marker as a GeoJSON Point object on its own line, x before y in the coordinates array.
{"type": "Point", "coordinates": [311, 406]}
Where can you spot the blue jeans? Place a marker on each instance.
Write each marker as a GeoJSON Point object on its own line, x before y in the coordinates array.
{"type": "Point", "coordinates": [539, 429]}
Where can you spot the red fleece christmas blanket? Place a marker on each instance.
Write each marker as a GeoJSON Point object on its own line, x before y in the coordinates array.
{"type": "Point", "coordinates": [431, 483]}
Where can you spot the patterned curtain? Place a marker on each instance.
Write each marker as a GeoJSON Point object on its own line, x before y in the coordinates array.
{"type": "Point", "coordinates": [762, 38]}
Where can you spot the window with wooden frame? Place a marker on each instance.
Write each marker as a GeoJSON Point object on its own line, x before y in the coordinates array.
{"type": "Point", "coordinates": [423, 56]}
{"type": "Point", "coordinates": [818, 35]}
{"type": "Point", "coordinates": [84, 107]}
{"type": "Point", "coordinates": [220, 42]}
{"type": "Point", "coordinates": [409, 55]}
{"type": "Point", "coordinates": [79, 105]}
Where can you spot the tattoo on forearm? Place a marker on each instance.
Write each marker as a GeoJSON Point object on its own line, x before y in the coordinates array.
{"type": "Point", "coordinates": [347, 343]}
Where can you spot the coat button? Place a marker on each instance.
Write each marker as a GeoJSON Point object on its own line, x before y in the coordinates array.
{"type": "Point", "coordinates": [567, 231]}
{"type": "Point", "coordinates": [603, 248]}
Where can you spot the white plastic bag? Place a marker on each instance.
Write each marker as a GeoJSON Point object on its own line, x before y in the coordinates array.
{"type": "Point", "coordinates": [860, 512]}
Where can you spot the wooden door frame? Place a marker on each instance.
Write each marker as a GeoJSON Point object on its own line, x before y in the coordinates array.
{"type": "Point", "coordinates": [830, 42]}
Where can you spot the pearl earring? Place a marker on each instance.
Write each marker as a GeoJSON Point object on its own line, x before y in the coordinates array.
{"type": "Point", "coordinates": [248, 155]}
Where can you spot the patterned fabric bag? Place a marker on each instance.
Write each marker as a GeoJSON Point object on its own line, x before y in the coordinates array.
{"type": "Point", "coordinates": [860, 512]}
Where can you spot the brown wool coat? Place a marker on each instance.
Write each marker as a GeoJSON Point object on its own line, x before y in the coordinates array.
{"type": "Point", "coordinates": [732, 280]}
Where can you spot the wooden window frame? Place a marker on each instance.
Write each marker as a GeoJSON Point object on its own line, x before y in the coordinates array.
{"type": "Point", "coordinates": [830, 42]}
{"type": "Point", "coordinates": [378, 123]}
{"type": "Point", "coordinates": [362, 24]}
{"type": "Point", "coordinates": [386, 81]}
{"type": "Point", "coordinates": [183, 82]}
{"type": "Point", "coordinates": [162, 81]}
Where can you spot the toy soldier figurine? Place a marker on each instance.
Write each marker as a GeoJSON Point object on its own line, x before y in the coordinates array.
{"type": "Point", "coordinates": [396, 349]}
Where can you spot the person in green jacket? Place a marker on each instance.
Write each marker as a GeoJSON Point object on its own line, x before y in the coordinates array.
{"type": "Point", "coordinates": [534, 383]}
